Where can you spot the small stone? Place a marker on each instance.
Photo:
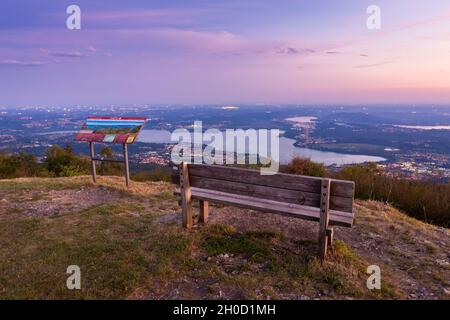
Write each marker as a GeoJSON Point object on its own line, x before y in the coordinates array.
{"type": "Point", "coordinates": [442, 263]}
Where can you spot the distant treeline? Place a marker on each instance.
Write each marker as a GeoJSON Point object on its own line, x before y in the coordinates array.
{"type": "Point", "coordinates": [428, 201]}
{"type": "Point", "coordinates": [425, 200]}
{"type": "Point", "coordinates": [63, 162]}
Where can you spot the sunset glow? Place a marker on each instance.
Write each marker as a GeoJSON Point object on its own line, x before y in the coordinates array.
{"type": "Point", "coordinates": [140, 52]}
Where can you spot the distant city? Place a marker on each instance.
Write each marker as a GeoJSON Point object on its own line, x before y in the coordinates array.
{"type": "Point", "coordinates": [412, 141]}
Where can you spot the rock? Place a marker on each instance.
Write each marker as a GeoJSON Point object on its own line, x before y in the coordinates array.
{"type": "Point", "coordinates": [446, 291]}
{"type": "Point", "coordinates": [442, 263]}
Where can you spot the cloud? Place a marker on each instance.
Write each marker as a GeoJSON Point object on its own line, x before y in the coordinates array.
{"type": "Point", "coordinates": [145, 14]}
{"type": "Point", "coordinates": [75, 54]}
{"type": "Point", "coordinates": [18, 63]}
{"type": "Point", "coordinates": [332, 52]}
{"type": "Point", "coordinates": [374, 64]}
{"type": "Point", "coordinates": [115, 19]}
{"type": "Point", "coordinates": [420, 23]}
{"type": "Point", "coordinates": [289, 50]}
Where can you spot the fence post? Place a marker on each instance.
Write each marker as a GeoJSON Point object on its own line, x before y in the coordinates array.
{"type": "Point", "coordinates": [127, 169]}
{"type": "Point", "coordinates": [92, 153]}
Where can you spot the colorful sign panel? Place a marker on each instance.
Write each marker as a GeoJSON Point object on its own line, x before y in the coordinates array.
{"type": "Point", "coordinates": [111, 129]}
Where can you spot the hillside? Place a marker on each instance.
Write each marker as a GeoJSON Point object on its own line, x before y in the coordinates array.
{"type": "Point", "coordinates": [130, 244]}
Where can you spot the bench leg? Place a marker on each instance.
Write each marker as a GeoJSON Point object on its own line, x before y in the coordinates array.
{"type": "Point", "coordinates": [186, 208]}
{"type": "Point", "coordinates": [330, 236]}
{"type": "Point", "coordinates": [203, 218]}
{"type": "Point", "coordinates": [323, 245]}
{"type": "Point", "coordinates": [186, 196]}
{"type": "Point", "coordinates": [324, 218]}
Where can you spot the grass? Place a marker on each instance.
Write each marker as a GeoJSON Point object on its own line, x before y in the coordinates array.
{"type": "Point", "coordinates": [288, 266]}
{"type": "Point", "coordinates": [124, 252]}
{"type": "Point", "coordinates": [27, 184]}
{"type": "Point", "coordinates": [114, 248]}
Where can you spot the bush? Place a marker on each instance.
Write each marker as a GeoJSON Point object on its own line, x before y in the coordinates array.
{"type": "Point", "coordinates": [21, 165]}
{"type": "Point", "coordinates": [109, 168]}
{"type": "Point", "coordinates": [62, 162]}
{"type": "Point", "coordinates": [425, 200]}
{"type": "Point", "coordinates": [306, 167]}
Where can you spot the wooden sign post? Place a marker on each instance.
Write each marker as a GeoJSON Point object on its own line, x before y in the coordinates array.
{"type": "Point", "coordinates": [118, 130]}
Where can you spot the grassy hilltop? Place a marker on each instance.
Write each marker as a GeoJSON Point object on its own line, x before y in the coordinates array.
{"type": "Point", "coordinates": [130, 244]}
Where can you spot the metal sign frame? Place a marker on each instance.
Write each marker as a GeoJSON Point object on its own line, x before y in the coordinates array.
{"type": "Point", "coordinates": [116, 130]}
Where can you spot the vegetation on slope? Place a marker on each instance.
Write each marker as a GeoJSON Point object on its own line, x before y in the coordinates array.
{"type": "Point", "coordinates": [425, 200]}
{"type": "Point", "coordinates": [130, 244]}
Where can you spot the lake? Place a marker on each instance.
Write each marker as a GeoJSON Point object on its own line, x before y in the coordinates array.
{"type": "Point", "coordinates": [287, 150]}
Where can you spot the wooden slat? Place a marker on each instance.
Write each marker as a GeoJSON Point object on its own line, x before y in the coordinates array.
{"type": "Point", "coordinates": [339, 188]}
{"type": "Point", "coordinates": [253, 190]}
{"type": "Point", "coordinates": [339, 218]}
{"type": "Point", "coordinates": [272, 193]}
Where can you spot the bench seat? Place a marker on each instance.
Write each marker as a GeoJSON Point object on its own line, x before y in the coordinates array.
{"type": "Point", "coordinates": [337, 218]}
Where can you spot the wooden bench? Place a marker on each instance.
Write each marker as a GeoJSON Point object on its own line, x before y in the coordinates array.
{"type": "Point", "coordinates": [328, 201]}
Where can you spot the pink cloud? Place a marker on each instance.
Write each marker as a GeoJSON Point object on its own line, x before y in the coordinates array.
{"type": "Point", "coordinates": [420, 23]}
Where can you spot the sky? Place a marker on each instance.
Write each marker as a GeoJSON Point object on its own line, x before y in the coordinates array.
{"type": "Point", "coordinates": [224, 52]}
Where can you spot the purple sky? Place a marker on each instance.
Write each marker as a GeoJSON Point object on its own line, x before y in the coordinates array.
{"type": "Point", "coordinates": [153, 52]}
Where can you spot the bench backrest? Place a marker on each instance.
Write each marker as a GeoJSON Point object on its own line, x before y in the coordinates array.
{"type": "Point", "coordinates": [288, 188]}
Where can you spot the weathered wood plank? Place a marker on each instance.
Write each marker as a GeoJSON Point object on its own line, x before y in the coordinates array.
{"type": "Point", "coordinates": [339, 188]}
{"type": "Point", "coordinates": [272, 193]}
{"type": "Point", "coordinates": [324, 217]}
{"type": "Point", "coordinates": [186, 196]}
{"type": "Point", "coordinates": [330, 236]}
{"type": "Point", "coordinates": [204, 208]}
{"type": "Point", "coordinates": [338, 218]}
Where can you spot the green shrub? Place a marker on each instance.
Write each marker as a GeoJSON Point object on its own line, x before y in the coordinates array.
{"type": "Point", "coordinates": [109, 168]}
{"type": "Point", "coordinates": [21, 165]}
{"type": "Point", "coordinates": [425, 200]}
{"type": "Point", "coordinates": [306, 167]}
{"type": "Point", "coordinates": [62, 162]}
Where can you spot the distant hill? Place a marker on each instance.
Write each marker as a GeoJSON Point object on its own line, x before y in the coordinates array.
{"type": "Point", "coordinates": [130, 244]}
